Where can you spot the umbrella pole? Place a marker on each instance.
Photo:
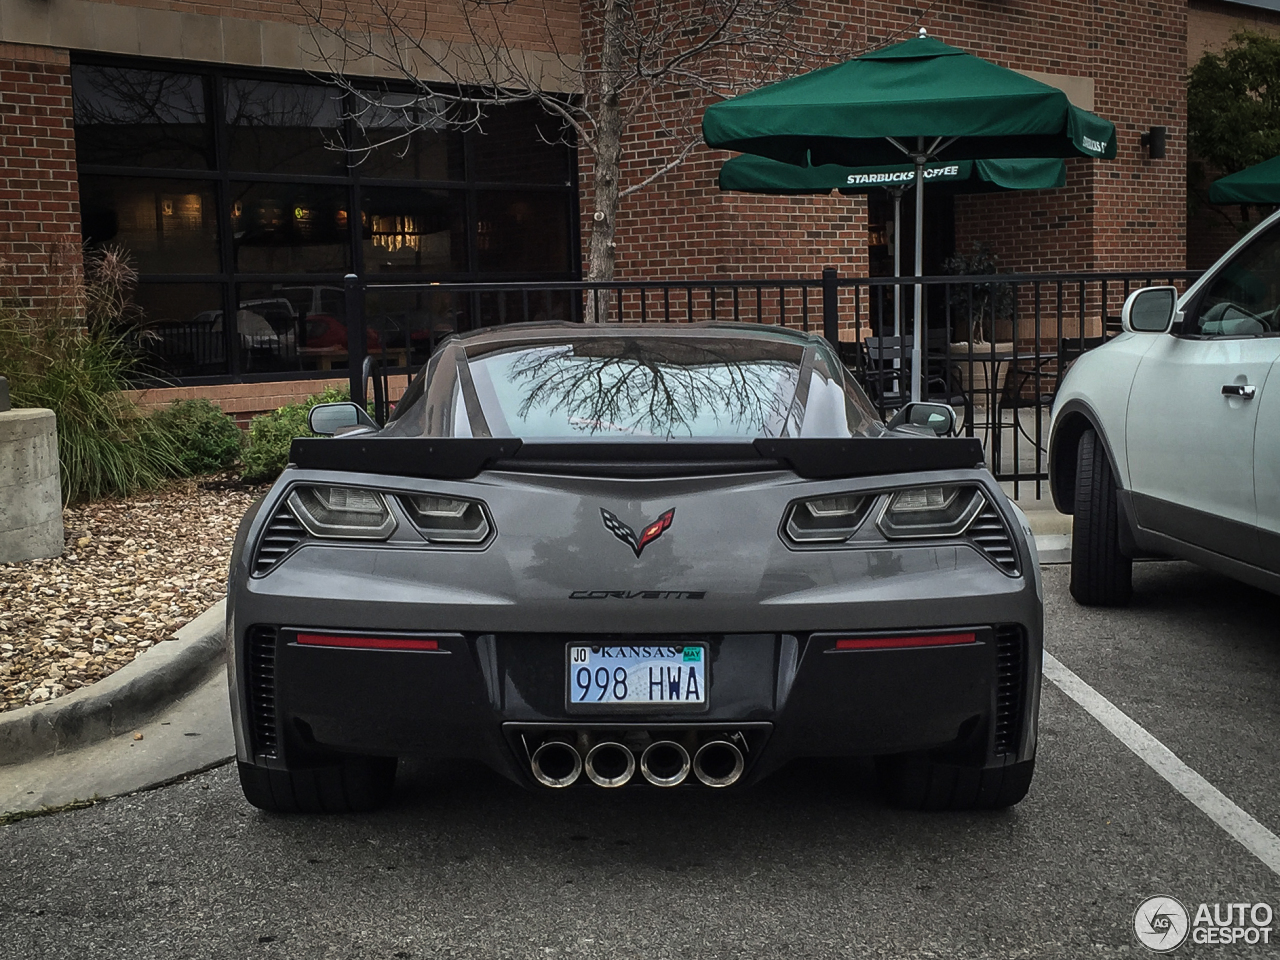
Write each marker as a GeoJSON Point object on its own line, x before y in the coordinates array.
{"type": "Point", "coordinates": [917, 335]}
{"type": "Point", "coordinates": [897, 260]}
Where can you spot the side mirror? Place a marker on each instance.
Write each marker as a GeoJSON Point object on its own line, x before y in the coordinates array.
{"type": "Point", "coordinates": [328, 419]}
{"type": "Point", "coordinates": [1150, 310]}
{"type": "Point", "coordinates": [936, 418]}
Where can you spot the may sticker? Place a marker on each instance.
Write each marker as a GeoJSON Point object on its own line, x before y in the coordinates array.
{"type": "Point", "coordinates": [692, 654]}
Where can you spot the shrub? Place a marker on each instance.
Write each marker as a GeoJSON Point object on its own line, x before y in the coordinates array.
{"type": "Point", "coordinates": [973, 305]}
{"type": "Point", "coordinates": [271, 434]}
{"type": "Point", "coordinates": [206, 438]}
{"type": "Point", "coordinates": [76, 366]}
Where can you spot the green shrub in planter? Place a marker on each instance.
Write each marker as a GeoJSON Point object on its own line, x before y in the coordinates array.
{"type": "Point", "coordinates": [207, 439]}
{"type": "Point", "coordinates": [72, 357]}
{"type": "Point", "coordinates": [271, 434]}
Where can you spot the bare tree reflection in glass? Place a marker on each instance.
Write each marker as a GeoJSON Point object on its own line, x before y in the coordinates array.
{"type": "Point", "coordinates": [140, 118]}
{"type": "Point", "coordinates": [662, 389]}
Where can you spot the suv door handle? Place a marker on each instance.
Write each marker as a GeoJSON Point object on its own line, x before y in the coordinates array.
{"type": "Point", "coordinates": [1245, 390]}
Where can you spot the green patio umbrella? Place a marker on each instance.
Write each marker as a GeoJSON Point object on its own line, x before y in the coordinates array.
{"type": "Point", "coordinates": [1257, 184]}
{"type": "Point", "coordinates": [751, 174]}
{"type": "Point", "coordinates": [921, 99]}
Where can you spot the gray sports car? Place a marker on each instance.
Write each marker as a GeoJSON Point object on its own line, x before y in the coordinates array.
{"type": "Point", "coordinates": [634, 554]}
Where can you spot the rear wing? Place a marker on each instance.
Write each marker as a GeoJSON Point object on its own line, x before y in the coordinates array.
{"type": "Point", "coordinates": [458, 458]}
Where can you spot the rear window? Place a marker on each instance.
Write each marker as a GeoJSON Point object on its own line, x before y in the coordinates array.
{"type": "Point", "coordinates": [638, 387]}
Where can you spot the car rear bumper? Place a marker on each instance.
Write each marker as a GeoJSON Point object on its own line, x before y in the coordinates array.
{"type": "Point", "coordinates": [496, 697]}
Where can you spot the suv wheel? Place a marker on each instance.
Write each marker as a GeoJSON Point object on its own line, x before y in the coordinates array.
{"type": "Point", "coordinates": [1101, 575]}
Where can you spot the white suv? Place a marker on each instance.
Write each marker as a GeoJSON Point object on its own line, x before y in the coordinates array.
{"type": "Point", "coordinates": [1166, 440]}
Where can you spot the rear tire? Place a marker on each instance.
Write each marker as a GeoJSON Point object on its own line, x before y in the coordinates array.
{"type": "Point", "coordinates": [913, 781]}
{"type": "Point", "coordinates": [353, 785]}
{"type": "Point", "coordinates": [1101, 575]}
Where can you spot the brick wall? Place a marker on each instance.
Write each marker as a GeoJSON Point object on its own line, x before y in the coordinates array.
{"type": "Point", "coordinates": [683, 226]}
{"type": "Point", "coordinates": [1139, 203]}
{"type": "Point", "coordinates": [39, 198]}
{"type": "Point", "coordinates": [1210, 24]}
{"type": "Point", "coordinates": [531, 24]}
{"type": "Point", "coordinates": [244, 401]}
{"type": "Point", "coordinates": [1123, 214]}
{"type": "Point", "coordinates": [1113, 215]}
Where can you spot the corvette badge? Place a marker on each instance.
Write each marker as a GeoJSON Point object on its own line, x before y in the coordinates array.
{"type": "Point", "coordinates": [628, 536]}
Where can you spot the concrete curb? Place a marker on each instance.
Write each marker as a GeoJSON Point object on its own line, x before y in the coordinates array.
{"type": "Point", "coordinates": [118, 703]}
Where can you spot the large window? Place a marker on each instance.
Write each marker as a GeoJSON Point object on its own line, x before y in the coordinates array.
{"type": "Point", "coordinates": [250, 195]}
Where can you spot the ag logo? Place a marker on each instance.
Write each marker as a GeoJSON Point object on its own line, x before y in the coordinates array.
{"type": "Point", "coordinates": [628, 536]}
{"type": "Point", "coordinates": [1161, 924]}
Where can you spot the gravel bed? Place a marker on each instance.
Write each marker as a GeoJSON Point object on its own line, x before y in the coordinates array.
{"type": "Point", "coordinates": [132, 572]}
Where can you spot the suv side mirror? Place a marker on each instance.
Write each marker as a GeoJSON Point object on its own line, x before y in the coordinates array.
{"type": "Point", "coordinates": [936, 418]}
{"type": "Point", "coordinates": [1150, 310]}
{"type": "Point", "coordinates": [329, 419]}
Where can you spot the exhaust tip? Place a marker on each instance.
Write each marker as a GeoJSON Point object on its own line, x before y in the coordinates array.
{"type": "Point", "coordinates": [665, 763]}
{"type": "Point", "coordinates": [610, 764]}
{"type": "Point", "coordinates": [556, 764]}
{"type": "Point", "coordinates": [718, 763]}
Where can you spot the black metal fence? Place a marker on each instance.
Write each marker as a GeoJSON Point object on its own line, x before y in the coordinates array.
{"type": "Point", "coordinates": [994, 347]}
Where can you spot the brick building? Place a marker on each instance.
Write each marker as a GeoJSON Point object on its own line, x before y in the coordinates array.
{"type": "Point", "coordinates": [197, 135]}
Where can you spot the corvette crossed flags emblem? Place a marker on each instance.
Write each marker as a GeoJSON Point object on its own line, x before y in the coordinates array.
{"type": "Point", "coordinates": [628, 536]}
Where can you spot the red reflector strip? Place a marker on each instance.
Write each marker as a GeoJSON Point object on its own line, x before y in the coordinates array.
{"type": "Point", "coordinates": [367, 643]}
{"type": "Point", "coordinates": [895, 643]}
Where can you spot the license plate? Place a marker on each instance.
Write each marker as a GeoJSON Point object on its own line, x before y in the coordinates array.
{"type": "Point", "coordinates": [644, 675]}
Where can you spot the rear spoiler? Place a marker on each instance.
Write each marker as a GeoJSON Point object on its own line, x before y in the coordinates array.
{"type": "Point", "coordinates": [459, 458]}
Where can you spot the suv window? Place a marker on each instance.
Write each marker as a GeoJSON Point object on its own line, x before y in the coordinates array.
{"type": "Point", "coordinates": [1244, 298]}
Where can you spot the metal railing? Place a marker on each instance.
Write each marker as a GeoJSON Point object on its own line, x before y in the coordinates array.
{"type": "Point", "coordinates": [995, 347]}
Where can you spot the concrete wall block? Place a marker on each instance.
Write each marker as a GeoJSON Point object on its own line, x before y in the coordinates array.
{"type": "Point", "coordinates": [30, 497]}
{"type": "Point", "coordinates": [29, 460]}
{"type": "Point", "coordinates": [36, 542]}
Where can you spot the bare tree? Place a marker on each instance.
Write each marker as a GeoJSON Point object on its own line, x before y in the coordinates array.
{"type": "Point", "coordinates": [650, 61]}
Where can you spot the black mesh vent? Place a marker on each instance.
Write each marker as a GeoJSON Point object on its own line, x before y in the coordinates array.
{"type": "Point", "coordinates": [1010, 682]}
{"type": "Point", "coordinates": [283, 533]}
{"type": "Point", "coordinates": [989, 534]}
{"type": "Point", "coordinates": [260, 649]}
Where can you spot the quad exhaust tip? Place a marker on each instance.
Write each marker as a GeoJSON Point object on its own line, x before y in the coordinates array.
{"type": "Point", "coordinates": [665, 763]}
{"type": "Point", "coordinates": [718, 763]}
{"type": "Point", "coordinates": [556, 764]}
{"type": "Point", "coordinates": [610, 764]}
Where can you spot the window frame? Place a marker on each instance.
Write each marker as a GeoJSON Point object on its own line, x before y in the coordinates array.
{"type": "Point", "coordinates": [216, 78]}
{"type": "Point", "coordinates": [1195, 308]}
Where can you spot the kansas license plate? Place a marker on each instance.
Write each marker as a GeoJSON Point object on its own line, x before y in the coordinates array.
{"type": "Point", "coordinates": [617, 676]}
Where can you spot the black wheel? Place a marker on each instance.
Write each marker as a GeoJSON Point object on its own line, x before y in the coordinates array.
{"type": "Point", "coordinates": [1101, 575]}
{"type": "Point", "coordinates": [915, 782]}
{"type": "Point", "coordinates": [353, 785]}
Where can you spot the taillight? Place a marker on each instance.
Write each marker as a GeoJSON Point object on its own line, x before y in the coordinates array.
{"type": "Point", "coordinates": [902, 643]}
{"type": "Point", "coordinates": [937, 511]}
{"type": "Point", "coordinates": [366, 643]}
{"type": "Point", "coordinates": [342, 513]}
{"type": "Point", "coordinates": [448, 519]}
{"type": "Point", "coordinates": [826, 519]}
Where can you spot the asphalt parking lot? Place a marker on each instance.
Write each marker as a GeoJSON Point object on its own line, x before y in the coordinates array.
{"type": "Point", "coordinates": [808, 864]}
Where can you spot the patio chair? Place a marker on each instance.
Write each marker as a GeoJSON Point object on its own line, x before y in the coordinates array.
{"type": "Point", "coordinates": [886, 374]}
{"type": "Point", "coordinates": [1032, 383]}
{"type": "Point", "coordinates": [1029, 384]}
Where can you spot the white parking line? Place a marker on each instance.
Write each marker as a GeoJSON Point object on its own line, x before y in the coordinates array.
{"type": "Point", "coordinates": [1252, 835]}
